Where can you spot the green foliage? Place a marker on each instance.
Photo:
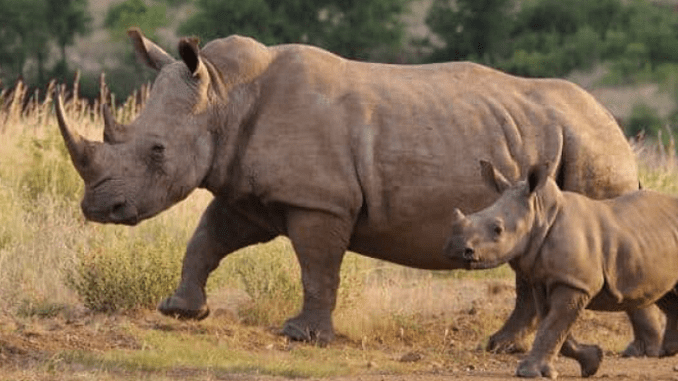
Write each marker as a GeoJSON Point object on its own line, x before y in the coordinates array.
{"type": "Point", "coordinates": [471, 29]}
{"type": "Point", "coordinates": [29, 27]}
{"type": "Point", "coordinates": [131, 13]}
{"type": "Point", "coordinates": [355, 29]}
{"type": "Point", "coordinates": [643, 118]}
{"type": "Point", "coordinates": [548, 38]}
{"type": "Point", "coordinates": [270, 275]}
{"type": "Point", "coordinates": [127, 274]}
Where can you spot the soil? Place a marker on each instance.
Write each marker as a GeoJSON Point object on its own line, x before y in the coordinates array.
{"type": "Point", "coordinates": [29, 348]}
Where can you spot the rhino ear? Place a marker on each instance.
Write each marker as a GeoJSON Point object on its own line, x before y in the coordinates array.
{"type": "Point", "coordinates": [190, 53]}
{"type": "Point", "coordinates": [202, 69]}
{"type": "Point", "coordinates": [492, 177]}
{"type": "Point", "coordinates": [537, 176]}
{"type": "Point", "coordinates": [147, 51]}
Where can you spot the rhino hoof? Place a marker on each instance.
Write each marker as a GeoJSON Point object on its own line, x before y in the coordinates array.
{"type": "Point", "coordinates": [297, 330]}
{"type": "Point", "coordinates": [638, 348]}
{"type": "Point", "coordinates": [170, 307]}
{"type": "Point", "coordinates": [590, 360]}
{"type": "Point", "coordinates": [498, 344]}
{"type": "Point", "coordinates": [528, 369]}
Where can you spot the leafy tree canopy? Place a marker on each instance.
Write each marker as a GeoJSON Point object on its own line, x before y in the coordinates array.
{"type": "Point", "coordinates": [352, 28]}
{"type": "Point", "coordinates": [131, 13]}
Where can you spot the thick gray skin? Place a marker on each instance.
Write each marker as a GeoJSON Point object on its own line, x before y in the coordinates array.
{"type": "Point", "coordinates": [336, 155]}
{"type": "Point", "coordinates": [576, 252]}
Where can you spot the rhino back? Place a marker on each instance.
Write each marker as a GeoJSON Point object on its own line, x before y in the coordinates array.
{"type": "Point", "coordinates": [396, 148]}
{"type": "Point", "coordinates": [622, 251]}
{"type": "Point", "coordinates": [644, 258]}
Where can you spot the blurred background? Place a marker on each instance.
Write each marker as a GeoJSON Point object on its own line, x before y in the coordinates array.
{"type": "Point", "coordinates": [624, 51]}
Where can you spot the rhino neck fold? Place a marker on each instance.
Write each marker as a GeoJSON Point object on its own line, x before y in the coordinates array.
{"type": "Point", "coordinates": [233, 125]}
{"type": "Point", "coordinates": [544, 219]}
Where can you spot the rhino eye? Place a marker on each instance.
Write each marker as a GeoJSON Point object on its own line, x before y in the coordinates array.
{"type": "Point", "coordinates": [158, 149]}
{"type": "Point", "coordinates": [498, 227]}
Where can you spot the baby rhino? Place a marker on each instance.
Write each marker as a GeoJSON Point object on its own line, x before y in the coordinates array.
{"type": "Point", "coordinates": [610, 255]}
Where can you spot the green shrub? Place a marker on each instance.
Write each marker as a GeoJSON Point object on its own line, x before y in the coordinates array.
{"type": "Point", "coordinates": [270, 275]}
{"type": "Point", "coordinates": [126, 274]}
{"type": "Point", "coordinates": [643, 118]}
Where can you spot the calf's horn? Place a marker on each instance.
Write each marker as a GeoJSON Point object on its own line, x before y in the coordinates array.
{"type": "Point", "coordinates": [79, 148]}
{"type": "Point", "coordinates": [458, 216]}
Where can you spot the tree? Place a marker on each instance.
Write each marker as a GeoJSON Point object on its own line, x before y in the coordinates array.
{"type": "Point", "coordinates": [470, 28]}
{"type": "Point", "coordinates": [352, 28]}
{"type": "Point", "coordinates": [24, 36]}
{"type": "Point", "coordinates": [135, 13]}
{"type": "Point", "coordinates": [29, 27]}
{"type": "Point", "coordinates": [66, 19]}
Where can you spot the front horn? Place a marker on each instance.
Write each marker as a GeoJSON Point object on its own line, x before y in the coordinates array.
{"type": "Point", "coordinates": [80, 149]}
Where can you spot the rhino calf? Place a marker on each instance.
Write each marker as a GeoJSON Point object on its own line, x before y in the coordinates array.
{"type": "Point", "coordinates": [619, 254]}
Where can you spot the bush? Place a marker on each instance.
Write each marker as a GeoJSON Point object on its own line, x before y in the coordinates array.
{"type": "Point", "coordinates": [132, 274]}
{"type": "Point", "coordinates": [643, 118]}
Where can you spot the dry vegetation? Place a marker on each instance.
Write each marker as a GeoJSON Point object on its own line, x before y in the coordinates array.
{"type": "Point", "coordinates": [77, 297]}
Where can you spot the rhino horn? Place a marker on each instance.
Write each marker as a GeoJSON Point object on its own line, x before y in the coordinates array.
{"type": "Point", "coordinates": [458, 216]}
{"type": "Point", "coordinates": [114, 132]}
{"type": "Point", "coordinates": [80, 149]}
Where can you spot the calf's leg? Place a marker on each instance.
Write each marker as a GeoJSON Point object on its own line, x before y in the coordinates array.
{"type": "Point", "coordinates": [558, 310]}
{"type": "Point", "coordinates": [220, 232]}
{"type": "Point", "coordinates": [669, 304]}
{"type": "Point", "coordinates": [647, 333]}
{"type": "Point", "coordinates": [589, 357]}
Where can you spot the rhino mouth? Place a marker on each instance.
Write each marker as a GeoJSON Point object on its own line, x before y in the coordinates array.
{"type": "Point", "coordinates": [119, 212]}
{"type": "Point", "coordinates": [480, 264]}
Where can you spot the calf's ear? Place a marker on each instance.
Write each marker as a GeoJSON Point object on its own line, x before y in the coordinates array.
{"type": "Point", "coordinates": [537, 176]}
{"type": "Point", "coordinates": [493, 178]}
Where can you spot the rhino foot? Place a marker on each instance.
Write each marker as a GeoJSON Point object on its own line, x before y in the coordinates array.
{"type": "Point", "coordinates": [501, 342]}
{"type": "Point", "coordinates": [531, 369]}
{"type": "Point", "coordinates": [309, 328]}
{"type": "Point", "coordinates": [639, 348]}
{"type": "Point", "coordinates": [178, 308]}
{"type": "Point", "coordinates": [669, 348]}
{"type": "Point", "coordinates": [589, 358]}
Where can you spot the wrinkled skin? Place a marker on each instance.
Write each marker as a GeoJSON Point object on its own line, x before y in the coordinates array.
{"type": "Point", "coordinates": [576, 252]}
{"type": "Point", "coordinates": [335, 154]}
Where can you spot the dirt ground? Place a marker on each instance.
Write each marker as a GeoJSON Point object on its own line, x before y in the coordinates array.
{"type": "Point", "coordinates": [30, 348]}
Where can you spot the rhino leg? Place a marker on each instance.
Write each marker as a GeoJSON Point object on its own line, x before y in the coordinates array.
{"type": "Point", "coordinates": [220, 232]}
{"type": "Point", "coordinates": [589, 357]}
{"type": "Point", "coordinates": [513, 335]}
{"type": "Point", "coordinates": [319, 241]}
{"type": "Point", "coordinates": [647, 333]}
{"type": "Point", "coordinates": [669, 304]}
{"type": "Point", "coordinates": [559, 310]}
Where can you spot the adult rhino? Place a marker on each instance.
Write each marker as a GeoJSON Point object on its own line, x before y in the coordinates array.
{"type": "Point", "coordinates": [336, 154]}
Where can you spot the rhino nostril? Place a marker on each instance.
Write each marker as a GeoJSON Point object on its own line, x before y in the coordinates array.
{"type": "Point", "coordinates": [469, 254]}
{"type": "Point", "coordinates": [118, 208]}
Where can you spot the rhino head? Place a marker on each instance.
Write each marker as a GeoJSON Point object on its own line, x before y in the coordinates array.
{"type": "Point", "coordinates": [145, 167]}
{"type": "Point", "coordinates": [508, 228]}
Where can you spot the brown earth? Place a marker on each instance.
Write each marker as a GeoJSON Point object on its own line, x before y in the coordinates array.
{"type": "Point", "coordinates": [31, 348]}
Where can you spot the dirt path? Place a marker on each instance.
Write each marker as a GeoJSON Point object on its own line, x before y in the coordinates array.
{"type": "Point", "coordinates": [73, 346]}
